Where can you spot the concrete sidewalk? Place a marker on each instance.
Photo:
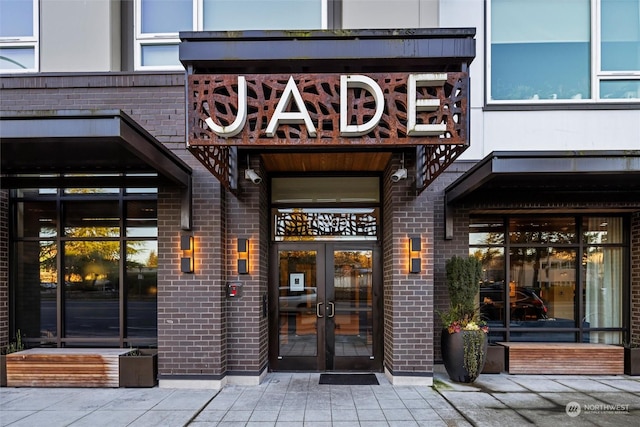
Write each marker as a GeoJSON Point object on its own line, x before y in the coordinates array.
{"type": "Point", "coordinates": [296, 399]}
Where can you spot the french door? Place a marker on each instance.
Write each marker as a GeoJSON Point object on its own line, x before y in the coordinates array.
{"type": "Point", "coordinates": [325, 307]}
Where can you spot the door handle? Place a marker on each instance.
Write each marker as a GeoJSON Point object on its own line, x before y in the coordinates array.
{"type": "Point", "coordinates": [331, 306]}
{"type": "Point", "coordinates": [318, 305]}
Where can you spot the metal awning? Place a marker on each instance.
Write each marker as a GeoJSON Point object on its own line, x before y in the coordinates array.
{"type": "Point", "coordinates": [583, 178]}
{"type": "Point", "coordinates": [94, 148]}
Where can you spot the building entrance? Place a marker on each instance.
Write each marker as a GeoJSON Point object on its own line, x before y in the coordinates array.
{"type": "Point", "coordinates": [325, 307]}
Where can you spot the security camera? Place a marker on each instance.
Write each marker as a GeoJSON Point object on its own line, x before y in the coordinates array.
{"type": "Point", "coordinates": [252, 176]}
{"type": "Point", "coordinates": [399, 174]}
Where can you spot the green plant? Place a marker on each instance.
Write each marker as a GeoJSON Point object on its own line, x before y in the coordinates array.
{"type": "Point", "coordinates": [14, 346]}
{"type": "Point", "coordinates": [463, 283]}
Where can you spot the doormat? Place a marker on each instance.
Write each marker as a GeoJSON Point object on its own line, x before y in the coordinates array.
{"type": "Point", "coordinates": [348, 379]}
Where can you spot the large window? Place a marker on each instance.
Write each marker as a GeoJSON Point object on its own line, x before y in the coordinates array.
{"type": "Point", "coordinates": [577, 51]}
{"type": "Point", "coordinates": [551, 278]}
{"type": "Point", "coordinates": [159, 22]}
{"type": "Point", "coordinates": [18, 36]}
{"type": "Point", "coordinates": [84, 266]}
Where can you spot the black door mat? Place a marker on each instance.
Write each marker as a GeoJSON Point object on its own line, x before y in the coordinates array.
{"type": "Point", "coordinates": [348, 379]}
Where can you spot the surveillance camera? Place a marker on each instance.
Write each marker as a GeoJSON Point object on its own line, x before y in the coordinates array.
{"type": "Point", "coordinates": [251, 175]}
{"type": "Point", "coordinates": [399, 174]}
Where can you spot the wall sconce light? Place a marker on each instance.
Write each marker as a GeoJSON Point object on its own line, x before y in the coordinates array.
{"type": "Point", "coordinates": [415, 246]}
{"type": "Point", "coordinates": [243, 256]}
{"type": "Point", "coordinates": [186, 246]}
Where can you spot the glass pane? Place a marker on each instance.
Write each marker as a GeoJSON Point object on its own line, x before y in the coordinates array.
{"type": "Point", "coordinates": [17, 58]}
{"type": "Point", "coordinates": [35, 289]}
{"type": "Point", "coordinates": [599, 230]}
{"type": "Point", "coordinates": [602, 270]}
{"type": "Point", "coordinates": [325, 190]}
{"type": "Point", "coordinates": [540, 50]}
{"type": "Point", "coordinates": [542, 230]}
{"type": "Point", "coordinates": [492, 307]}
{"type": "Point", "coordinates": [36, 219]}
{"type": "Point", "coordinates": [298, 329]}
{"type": "Point", "coordinates": [142, 219]}
{"type": "Point", "coordinates": [353, 284]}
{"type": "Point", "coordinates": [486, 231]}
{"type": "Point", "coordinates": [262, 15]}
{"type": "Point", "coordinates": [91, 288]}
{"type": "Point", "coordinates": [542, 288]}
{"type": "Point", "coordinates": [166, 16]}
{"type": "Point", "coordinates": [142, 289]}
{"type": "Point", "coordinates": [326, 224]}
{"type": "Point", "coordinates": [620, 89]}
{"type": "Point", "coordinates": [16, 18]}
{"type": "Point", "coordinates": [92, 219]}
{"type": "Point", "coordinates": [158, 55]}
{"type": "Point", "coordinates": [620, 35]}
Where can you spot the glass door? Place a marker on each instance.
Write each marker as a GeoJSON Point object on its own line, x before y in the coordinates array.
{"type": "Point", "coordinates": [325, 298]}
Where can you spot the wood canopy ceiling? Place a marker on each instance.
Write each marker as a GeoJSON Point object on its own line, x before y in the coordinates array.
{"type": "Point", "coordinates": [326, 162]}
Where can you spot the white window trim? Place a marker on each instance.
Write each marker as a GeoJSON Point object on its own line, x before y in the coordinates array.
{"type": "Point", "coordinates": [26, 42]}
{"type": "Point", "coordinates": [173, 38]}
{"type": "Point", "coordinates": [597, 75]}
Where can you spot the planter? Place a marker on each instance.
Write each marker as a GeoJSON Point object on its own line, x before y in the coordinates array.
{"type": "Point", "coordinates": [494, 362]}
{"type": "Point", "coordinates": [632, 361]}
{"type": "Point", "coordinates": [453, 355]}
{"type": "Point", "coordinates": [3, 370]}
{"type": "Point", "coordinates": [140, 370]}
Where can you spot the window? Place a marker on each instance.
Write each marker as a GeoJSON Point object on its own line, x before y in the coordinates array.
{"type": "Point", "coordinates": [18, 36]}
{"type": "Point", "coordinates": [552, 278]}
{"type": "Point", "coordinates": [84, 266]}
{"type": "Point", "coordinates": [159, 22]}
{"type": "Point", "coordinates": [568, 51]}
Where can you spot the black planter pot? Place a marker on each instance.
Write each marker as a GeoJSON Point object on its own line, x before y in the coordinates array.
{"type": "Point", "coordinates": [452, 346]}
{"type": "Point", "coordinates": [139, 371]}
{"type": "Point", "coordinates": [632, 361]}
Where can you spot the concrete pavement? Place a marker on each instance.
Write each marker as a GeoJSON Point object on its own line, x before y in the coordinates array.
{"type": "Point", "coordinates": [296, 399]}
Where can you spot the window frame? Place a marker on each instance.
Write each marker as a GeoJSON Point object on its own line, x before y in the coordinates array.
{"type": "Point", "coordinates": [32, 41]}
{"type": "Point", "coordinates": [164, 39]}
{"type": "Point", "coordinates": [597, 74]}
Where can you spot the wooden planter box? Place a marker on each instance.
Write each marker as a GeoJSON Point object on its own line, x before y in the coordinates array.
{"type": "Point", "coordinates": [632, 361]}
{"type": "Point", "coordinates": [494, 363]}
{"type": "Point", "coordinates": [139, 371]}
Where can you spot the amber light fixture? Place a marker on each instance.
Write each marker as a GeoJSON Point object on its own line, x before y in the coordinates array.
{"type": "Point", "coordinates": [415, 246]}
{"type": "Point", "coordinates": [243, 256]}
{"type": "Point", "coordinates": [186, 246]}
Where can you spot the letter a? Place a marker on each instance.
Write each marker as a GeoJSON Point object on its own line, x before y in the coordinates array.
{"type": "Point", "coordinates": [290, 117]}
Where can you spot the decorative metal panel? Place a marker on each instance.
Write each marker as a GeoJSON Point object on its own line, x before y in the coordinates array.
{"type": "Point", "coordinates": [216, 97]}
{"type": "Point", "coordinates": [301, 224]}
{"type": "Point", "coordinates": [432, 160]}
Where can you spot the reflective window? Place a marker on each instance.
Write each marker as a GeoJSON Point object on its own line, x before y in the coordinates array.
{"type": "Point", "coordinates": [550, 50]}
{"type": "Point", "coordinates": [142, 289]}
{"type": "Point", "coordinates": [159, 22]}
{"type": "Point", "coordinates": [540, 50]}
{"type": "Point", "coordinates": [225, 15]}
{"type": "Point", "coordinates": [552, 285]}
{"type": "Point", "coordinates": [87, 293]}
{"type": "Point", "coordinates": [18, 35]}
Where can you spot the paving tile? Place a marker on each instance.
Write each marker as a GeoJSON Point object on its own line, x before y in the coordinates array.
{"type": "Point", "coordinates": [370, 414]}
{"type": "Point", "coordinates": [542, 385]}
{"type": "Point", "coordinates": [344, 414]}
{"type": "Point", "coordinates": [108, 419]}
{"type": "Point", "coordinates": [291, 416]}
{"type": "Point", "coordinates": [397, 414]}
{"type": "Point", "coordinates": [49, 418]}
{"type": "Point", "coordinates": [585, 385]}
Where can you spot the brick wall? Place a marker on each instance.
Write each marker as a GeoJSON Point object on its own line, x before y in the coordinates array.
{"type": "Point", "coordinates": [408, 298]}
{"type": "Point", "coordinates": [4, 267]}
{"type": "Point", "coordinates": [247, 337]}
{"type": "Point", "coordinates": [635, 277]}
